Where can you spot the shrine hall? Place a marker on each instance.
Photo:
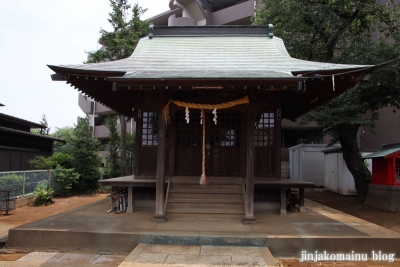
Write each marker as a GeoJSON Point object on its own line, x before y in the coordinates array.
{"type": "Point", "coordinates": [208, 103]}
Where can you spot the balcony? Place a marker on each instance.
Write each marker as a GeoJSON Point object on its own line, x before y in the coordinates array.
{"type": "Point", "coordinates": [101, 131]}
{"type": "Point", "coordinates": [238, 14]}
{"type": "Point", "coordinates": [88, 106]}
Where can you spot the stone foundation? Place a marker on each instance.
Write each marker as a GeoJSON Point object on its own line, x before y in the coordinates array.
{"type": "Point", "coordinates": [384, 197]}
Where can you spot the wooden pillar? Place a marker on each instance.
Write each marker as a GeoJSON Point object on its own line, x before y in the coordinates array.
{"type": "Point", "coordinates": [172, 134]}
{"type": "Point", "coordinates": [278, 143]}
{"type": "Point", "coordinates": [159, 215]}
{"type": "Point", "coordinates": [138, 142]}
{"type": "Point", "coordinates": [249, 194]}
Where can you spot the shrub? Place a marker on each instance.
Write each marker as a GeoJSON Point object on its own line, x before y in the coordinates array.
{"type": "Point", "coordinates": [66, 178]}
{"type": "Point", "coordinates": [43, 193]}
{"type": "Point", "coordinates": [41, 163]}
{"type": "Point", "coordinates": [62, 159]}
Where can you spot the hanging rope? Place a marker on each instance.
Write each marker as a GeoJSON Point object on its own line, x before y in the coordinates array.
{"type": "Point", "coordinates": [203, 178]}
{"type": "Point", "coordinates": [166, 117]}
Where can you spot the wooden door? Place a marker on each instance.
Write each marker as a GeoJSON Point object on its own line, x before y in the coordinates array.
{"type": "Point", "coordinates": [223, 143]}
{"type": "Point", "coordinates": [188, 143]}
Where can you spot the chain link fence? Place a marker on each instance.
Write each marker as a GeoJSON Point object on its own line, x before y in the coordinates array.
{"type": "Point", "coordinates": [23, 183]}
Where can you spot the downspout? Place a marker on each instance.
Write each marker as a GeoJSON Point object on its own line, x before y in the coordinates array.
{"type": "Point", "coordinates": [94, 111]}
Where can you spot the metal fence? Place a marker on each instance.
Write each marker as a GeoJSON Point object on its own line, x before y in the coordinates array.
{"type": "Point", "coordinates": [24, 182]}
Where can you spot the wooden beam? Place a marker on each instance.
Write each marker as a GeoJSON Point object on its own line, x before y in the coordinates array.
{"type": "Point", "coordinates": [249, 218]}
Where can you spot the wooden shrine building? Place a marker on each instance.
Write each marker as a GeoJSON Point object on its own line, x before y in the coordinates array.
{"type": "Point", "coordinates": [238, 82]}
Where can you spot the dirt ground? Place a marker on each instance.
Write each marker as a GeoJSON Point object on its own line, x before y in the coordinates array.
{"type": "Point", "coordinates": [347, 204]}
{"type": "Point", "coordinates": [31, 213]}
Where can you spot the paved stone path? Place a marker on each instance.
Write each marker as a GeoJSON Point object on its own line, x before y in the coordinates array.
{"type": "Point", "coordinates": [154, 255]}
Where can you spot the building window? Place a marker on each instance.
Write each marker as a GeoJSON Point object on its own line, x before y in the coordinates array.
{"type": "Point", "coordinates": [188, 134]}
{"type": "Point", "coordinates": [150, 129]}
{"type": "Point", "coordinates": [294, 137]}
{"type": "Point", "coordinates": [227, 130]}
{"type": "Point", "coordinates": [265, 127]}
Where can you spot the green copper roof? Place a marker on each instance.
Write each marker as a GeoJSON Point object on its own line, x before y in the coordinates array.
{"type": "Point", "coordinates": [219, 56]}
{"type": "Point", "coordinates": [384, 152]}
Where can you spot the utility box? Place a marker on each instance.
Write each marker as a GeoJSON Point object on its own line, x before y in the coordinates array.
{"type": "Point", "coordinates": [338, 178]}
{"type": "Point", "coordinates": [307, 163]}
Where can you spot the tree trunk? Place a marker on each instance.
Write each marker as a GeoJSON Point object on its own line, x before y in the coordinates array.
{"type": "Point", "coordinates": [352, 157]}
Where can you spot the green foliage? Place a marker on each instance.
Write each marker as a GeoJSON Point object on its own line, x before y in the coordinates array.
{"type": "Point", "coordinates": [342, 31]}
{"type": "Point", "coordinates": [122, 41]}
{"type": "Point", "coordinates": [66, 133]}
{"type": "Point", "coordinates": [321, 30]}
{"type": "Point", "coordinates": [46, 130]}
{"type": "Point", "coordinates": [65, 179]}
{"type": "Point", "coordinates": [43, 193]}
{"type": "Point", "coordinates": [41, 163]}
{"type": "Point", "coordinates": [62, 160]}
{"type": "Point", "coordinates": [11, 182]}
{"type": "Point", "coordinates": [130, 147]}
{"type": "Point", "coordinates": [85, 153]}
{"type": "Point", "coordinates": [114, 164]}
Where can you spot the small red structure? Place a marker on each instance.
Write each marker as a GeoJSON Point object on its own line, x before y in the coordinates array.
{"type": "Point", "coordinates": [384, 190]}
{"type": "Point", "coordinates": [386, 165]}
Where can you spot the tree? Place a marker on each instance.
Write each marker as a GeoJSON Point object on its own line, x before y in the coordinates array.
{"type": "Point", "coordinates": [120, 43]}
{"type": "Point", "coordinates": [342, 31]}
{"type": "Point", "coordinates": [66, 133]}
{"type": "Point", "coordinates": [42, 131]}
{"type": "Point", "coordinates": [85, 152]}
{"type": "Point", "coordinates": [114, 163]}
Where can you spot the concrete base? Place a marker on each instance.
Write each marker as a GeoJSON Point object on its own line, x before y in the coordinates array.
{"type": "Point", "coordinates": [159, 218]}
{"type": "Point", "coordinates": [320, 228]}
{"type": "Point", "coordinates": [24, 201]}
{"type": "Point", "coordinates": [384, 197]}
{"type": "Point", "coordinates": [249, 220]}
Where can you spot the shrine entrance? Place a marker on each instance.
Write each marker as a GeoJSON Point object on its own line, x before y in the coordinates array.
{"type": "Point", "coordinates": [223, 143]}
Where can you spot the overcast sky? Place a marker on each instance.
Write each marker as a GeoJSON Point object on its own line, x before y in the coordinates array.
{"type": "Point", "coordinates": [34, 33]}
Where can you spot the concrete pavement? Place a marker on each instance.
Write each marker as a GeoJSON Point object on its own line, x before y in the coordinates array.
{"type": "Point", "coordinates": [90, 227]}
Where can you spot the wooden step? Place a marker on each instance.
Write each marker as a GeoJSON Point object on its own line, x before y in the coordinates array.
{"type": "Point", "coordinates": [217, 196]}
{"type": "Point", "coordinates": [221, 198]}
{"type": "Point", "coordinates": [210, 187]}
{"type": "Point", "coordinates": [205, 205]}
{"type": "Point", "coordinates": [210, 180]}
{"type": "Point", "coordinates": [206, 191]}
{"type": "Point", "coordinates": [202, 200]}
